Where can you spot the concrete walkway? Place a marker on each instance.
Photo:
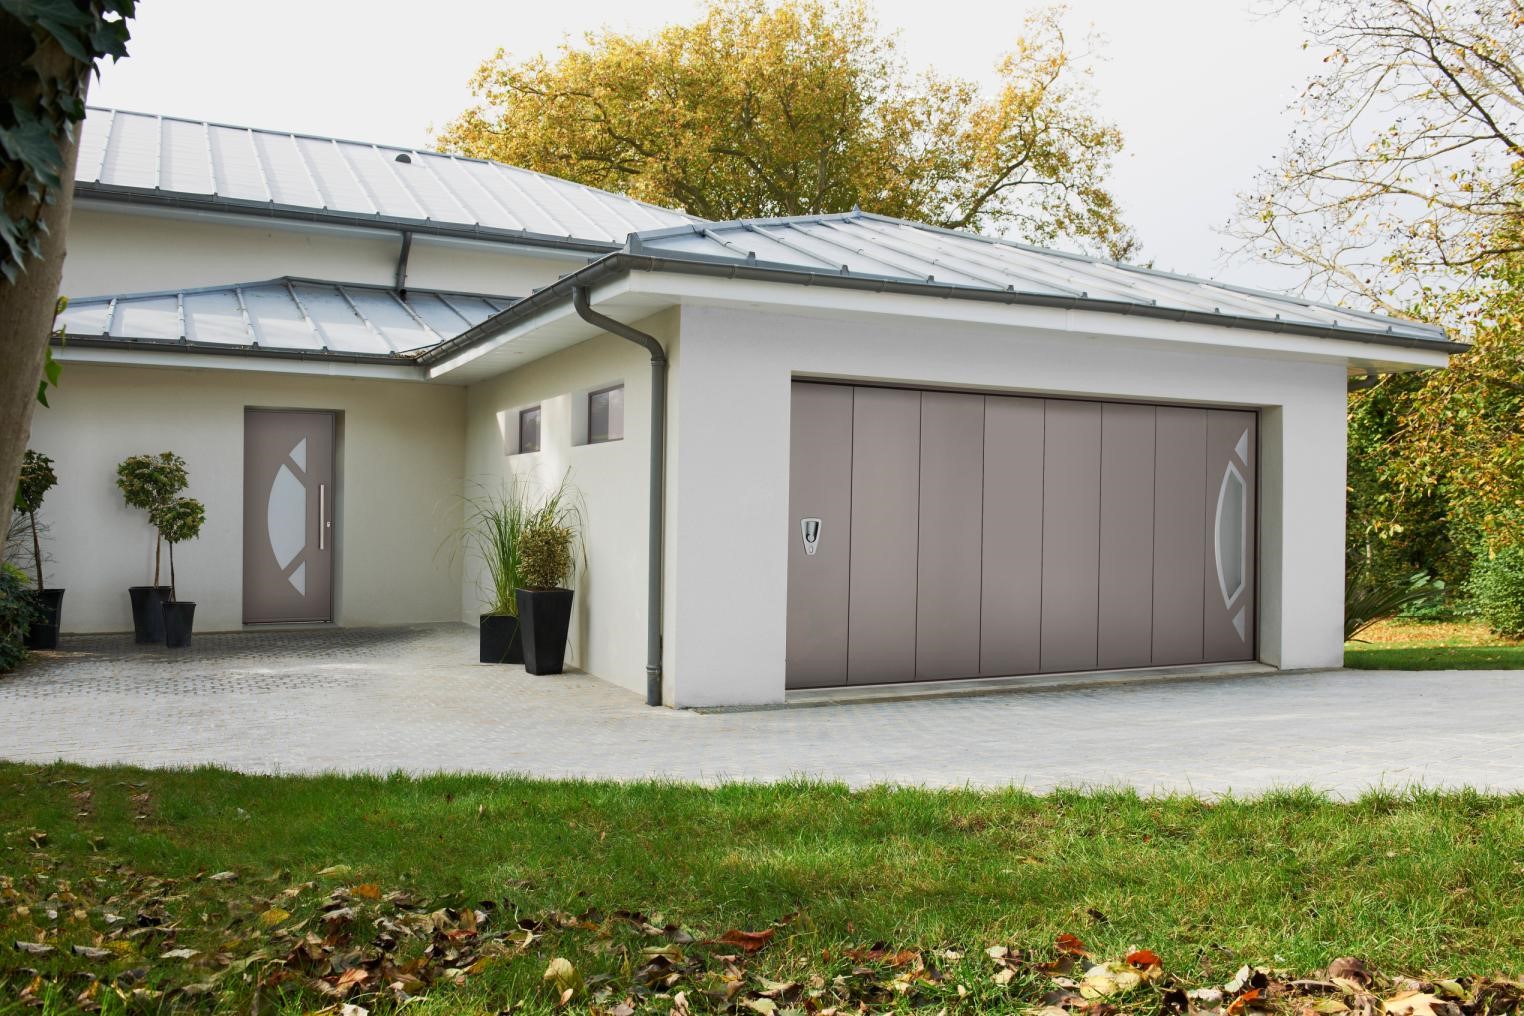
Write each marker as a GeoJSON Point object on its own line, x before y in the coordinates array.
{"type": "Point", "coordinates": [414, 699]}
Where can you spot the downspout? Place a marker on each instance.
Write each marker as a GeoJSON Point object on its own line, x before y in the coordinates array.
{"type": "Point", "coordinates": [585, 311]}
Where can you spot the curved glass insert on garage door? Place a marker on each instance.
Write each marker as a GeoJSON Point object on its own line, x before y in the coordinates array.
{"type": "Point", "coordinates": [938, 535]}
{"type": "Point", "coordinates": [288, 511]}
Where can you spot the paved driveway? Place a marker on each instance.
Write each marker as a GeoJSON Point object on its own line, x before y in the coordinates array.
{"type": "Point", "coordinates": [414, 699]}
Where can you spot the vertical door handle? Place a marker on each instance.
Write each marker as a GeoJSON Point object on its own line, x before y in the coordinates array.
{"type": "Point", "coordinates": [322, 516]}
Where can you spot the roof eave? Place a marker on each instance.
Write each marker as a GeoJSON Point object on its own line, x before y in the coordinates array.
{"type": "Point", "coordinates": [621, 262]}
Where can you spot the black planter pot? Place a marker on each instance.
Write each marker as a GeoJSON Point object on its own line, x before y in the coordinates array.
{"type": "Point", "coordinates": [178, 615]}
{"type": "Point", "coordinates": [500, 642]}
{"type": "Point", "coordinates": [43, 633]}
{"type": "Point", "coordinates": [148, 612]}
{"type": "Point", "coordinates": [544, 616]}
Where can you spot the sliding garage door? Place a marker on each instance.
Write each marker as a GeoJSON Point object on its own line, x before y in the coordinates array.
{"type": "Point", "coordinates": [938, 535]}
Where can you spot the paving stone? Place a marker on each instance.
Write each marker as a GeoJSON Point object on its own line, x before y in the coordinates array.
{"type": "Point", "coordinates": [413, 699]}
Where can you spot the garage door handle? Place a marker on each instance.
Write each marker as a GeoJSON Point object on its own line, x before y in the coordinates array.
{"type": "Point", "coordinates": [809, 530]}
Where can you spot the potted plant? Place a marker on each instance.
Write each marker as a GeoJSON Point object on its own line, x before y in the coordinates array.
{"type": "Point", "coordinates": [178, 520]}
{"type": "Point", "coordinates": [546, 553]}
{"type": "Point", "coordinates": [494, 524]}
{"type": "Point", "coordinates": [37, 478]}
{"type": "Point", "coordinates": [150, 482]}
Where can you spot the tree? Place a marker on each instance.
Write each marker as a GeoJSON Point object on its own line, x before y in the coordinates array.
{"type": "Point", "coordinates": [804, 107]}
{"type": "Point", "coordinates": [48, 50]}
{"type": "Point", "coordinates": [1401, 190]}
{"type": "Point", "coordinates": [177, 520]}
{"type": "Point", "coordinates": [152, 482]}
{"type": "Point", "coordinates": [37, 478]}
{"type": "Point", "coordinates": [1405, 172]}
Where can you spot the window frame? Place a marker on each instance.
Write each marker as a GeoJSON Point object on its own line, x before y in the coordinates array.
{"type": "Point", "coordinates": [539, 434]}
{"type": "Point", "coordinates": [593, 395]}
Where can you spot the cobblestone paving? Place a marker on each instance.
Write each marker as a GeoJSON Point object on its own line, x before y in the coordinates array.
{"type": "Point", "coordinates": [413, 699]}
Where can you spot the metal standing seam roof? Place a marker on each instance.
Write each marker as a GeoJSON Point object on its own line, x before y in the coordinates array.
{"type": "Point", "coordinates": [282, 316]}
{"type": "Point", "coordinates": [126, 154]}
{"type": "Point", "coordinates": [859, 245]}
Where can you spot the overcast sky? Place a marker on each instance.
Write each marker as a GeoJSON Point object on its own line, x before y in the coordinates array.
{"type": "Point", "coordinates": [1198, 87]}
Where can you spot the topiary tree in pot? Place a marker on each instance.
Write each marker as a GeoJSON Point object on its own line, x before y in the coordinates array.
{"type": "Point", "coordinates": [37, 478]}
{"type": "Point", "coordinates": [177, 521]}
{"type": "Point", "coordinates": [150, 482]}
{"type": "Point", "coordinates": [547, 551]}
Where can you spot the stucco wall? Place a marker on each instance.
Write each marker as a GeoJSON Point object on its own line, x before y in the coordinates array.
{"type": "Point", "coordinates": [729, 570]}
{"type": "Point", "coordinates": [608, 635]}
{"type": "Point", "coordinates": [113, 252]}
{"type": "Point", "coordinates": [400, 460]}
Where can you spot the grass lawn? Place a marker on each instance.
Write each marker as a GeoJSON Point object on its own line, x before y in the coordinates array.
{"type": "Point", "coordinates": [207, 891]}
{"type": "Point", "coordinates": [1432, 645]}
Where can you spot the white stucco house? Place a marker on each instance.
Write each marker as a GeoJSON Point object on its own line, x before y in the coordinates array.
{"type": "Point", "coordinates": [816, 452]}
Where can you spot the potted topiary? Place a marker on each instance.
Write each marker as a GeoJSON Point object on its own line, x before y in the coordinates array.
{"type": "Point", "coordinates": [37, 478]}
{"type": "Point", "coordinates": [178, 520]}
{"type": "Point", "coordinates": [494, 524]}
{"type": "Point", "coordinates": [546, 552]}
{"type": "Point", "coordinates": [150, 482]}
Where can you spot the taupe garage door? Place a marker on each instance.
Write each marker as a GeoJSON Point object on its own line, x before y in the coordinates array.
{"type": "Point", "coordinates": [938, 535]}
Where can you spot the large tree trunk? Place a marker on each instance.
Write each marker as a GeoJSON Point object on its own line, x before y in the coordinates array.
{"type": "Point", "coordinates": [26, 306]}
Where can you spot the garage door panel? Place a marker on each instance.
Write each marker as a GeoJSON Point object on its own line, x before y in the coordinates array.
{"type": "Point", "coordinates": [886, 466]}
{"type": "Point", "coordinates": [1179, 521]}
{"type": "Point", "coordinates": [1229, 573]}
{"type": "Point", "coordinates": [949, 553]}
{"type": "Point", "coordinates": [1071, 534]}
{"type": "Point", "coordinates": [1011, 601]}
{"type": "Point", "coordinates": [820, 495]}
{"type": "Point", "coordinates": [1125, 627]}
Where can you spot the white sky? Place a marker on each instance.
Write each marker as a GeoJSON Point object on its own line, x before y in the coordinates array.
{"type": "Point", "coordinates": [1198, 87]}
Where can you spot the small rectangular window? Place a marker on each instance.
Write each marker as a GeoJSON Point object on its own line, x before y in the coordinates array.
{"type": "Point", "coordinates": [529, 429]}
{"type": "Point", "coordinates": [605, 415]}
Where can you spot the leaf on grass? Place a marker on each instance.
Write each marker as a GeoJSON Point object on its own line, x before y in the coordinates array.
{"type": "Point", "coordinates": [1416, 1003]}
{"type": "Point", "coordinates": [751, 941]}
{"type": "Point", "coordinates": [367, 891]}
{"type": "Point", "coordinates": [1144, 958]}
{"type": "Point", "coordinates": [1071, 944]}
{"type": "Point", "coordinates": [34, 948]}
{"type": "Point", "coordinates": [350, 1009]}
{"type": "Point", "coordinates": [91, 952]}
{"type": "Point", "coordinates": [225, 876]}
{"type": "Point", "coordinates": [1351, 968]}
{"type": "Point", "coordinates": [1243, 1002]}
{"type": "Point", "coordinates": [270, 918]}
{"type": "Point", "coordinates": [179, 954]}
{"type": "Point", "coordinates": [564, 977]}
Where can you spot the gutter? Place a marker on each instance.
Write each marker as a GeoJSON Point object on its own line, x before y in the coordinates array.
{"type": "Point", "coordinates": [247, 352]}
{"type": "Point", "coordinates": [620, 262]}
{"type": "Point", "coordinates": [657, 481]}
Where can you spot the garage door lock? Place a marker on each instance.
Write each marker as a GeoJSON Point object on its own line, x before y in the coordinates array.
{"type": "Point", "coordinates": [809, 529]}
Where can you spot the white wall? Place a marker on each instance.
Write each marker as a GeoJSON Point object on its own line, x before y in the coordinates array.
{"type": "Point", "coordinates": [401, 458]}
{"type": "Point", "coordinates": [112, 252]}
{"type": "Point", "coordinates": [608, 635]}
{"type": "Point", "coordinates": [730, 574]}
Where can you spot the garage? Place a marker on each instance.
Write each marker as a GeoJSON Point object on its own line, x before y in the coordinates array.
{"type": "Point", "coordinates": [939, 535]}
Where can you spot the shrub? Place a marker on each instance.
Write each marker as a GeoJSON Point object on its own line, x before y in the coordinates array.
{"type": "Point", "coordinates": [545, 551]}
{"type": "Point", "coordinates": [18, 609]}
{"type": "Point", "coordinates": [1371, 595]}
{"type": "Point", "coordinates": [177, 521]}
{"type": "Point", "coordinates": [37, 478]}
{"type": "Point", "coordinates": [1496, 589]}
{"type": "Point", "coordinates": [150, 482]}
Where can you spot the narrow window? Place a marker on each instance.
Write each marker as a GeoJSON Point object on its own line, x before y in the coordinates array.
{"type": "Point", "coordinates": [529, 429]}
{"type": "Point", "coordinates": [605, 415]}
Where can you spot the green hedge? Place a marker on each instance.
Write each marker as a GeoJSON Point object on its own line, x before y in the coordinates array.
{"type": "Point", "coordinates": [1496, 589]}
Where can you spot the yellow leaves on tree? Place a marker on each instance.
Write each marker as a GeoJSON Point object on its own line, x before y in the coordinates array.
{"type": "Point", "coordinates": [805, 107]}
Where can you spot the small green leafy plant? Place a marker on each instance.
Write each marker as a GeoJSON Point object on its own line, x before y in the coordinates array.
{"type": "Point", "coordinates": [494, 528]}
{"type": "Point", "coordinates": [1496, 589]}
{"type": "Point", "coordinates": [150, 482]}
{"type": "Point", "coordinates": [1370, 596]}
{"type": "Point", "coordinates": [546, 552]}
{"type": "Point", "coordinates": [37, 478]}
{"type": "Point", "coordinates": [177, 521]}
{"type": "Point", "coordinates": [18, 610]}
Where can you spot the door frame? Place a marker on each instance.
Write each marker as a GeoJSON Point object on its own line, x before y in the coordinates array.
{"type": "Point", "coordinates": [335, 513]}
{"type": "Point", "coordinates": [1257, 451]}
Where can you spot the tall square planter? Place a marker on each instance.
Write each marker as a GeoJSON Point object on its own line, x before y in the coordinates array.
{"type": "Point", "coordinates": [544, 617]}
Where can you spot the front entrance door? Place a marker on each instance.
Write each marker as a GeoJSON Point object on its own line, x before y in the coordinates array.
{"type": "Point", "coordinates": [288, 512]}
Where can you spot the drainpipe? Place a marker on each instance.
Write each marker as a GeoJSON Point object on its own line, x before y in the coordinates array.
{"type": "Point", "coordinates": [585, 311]}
